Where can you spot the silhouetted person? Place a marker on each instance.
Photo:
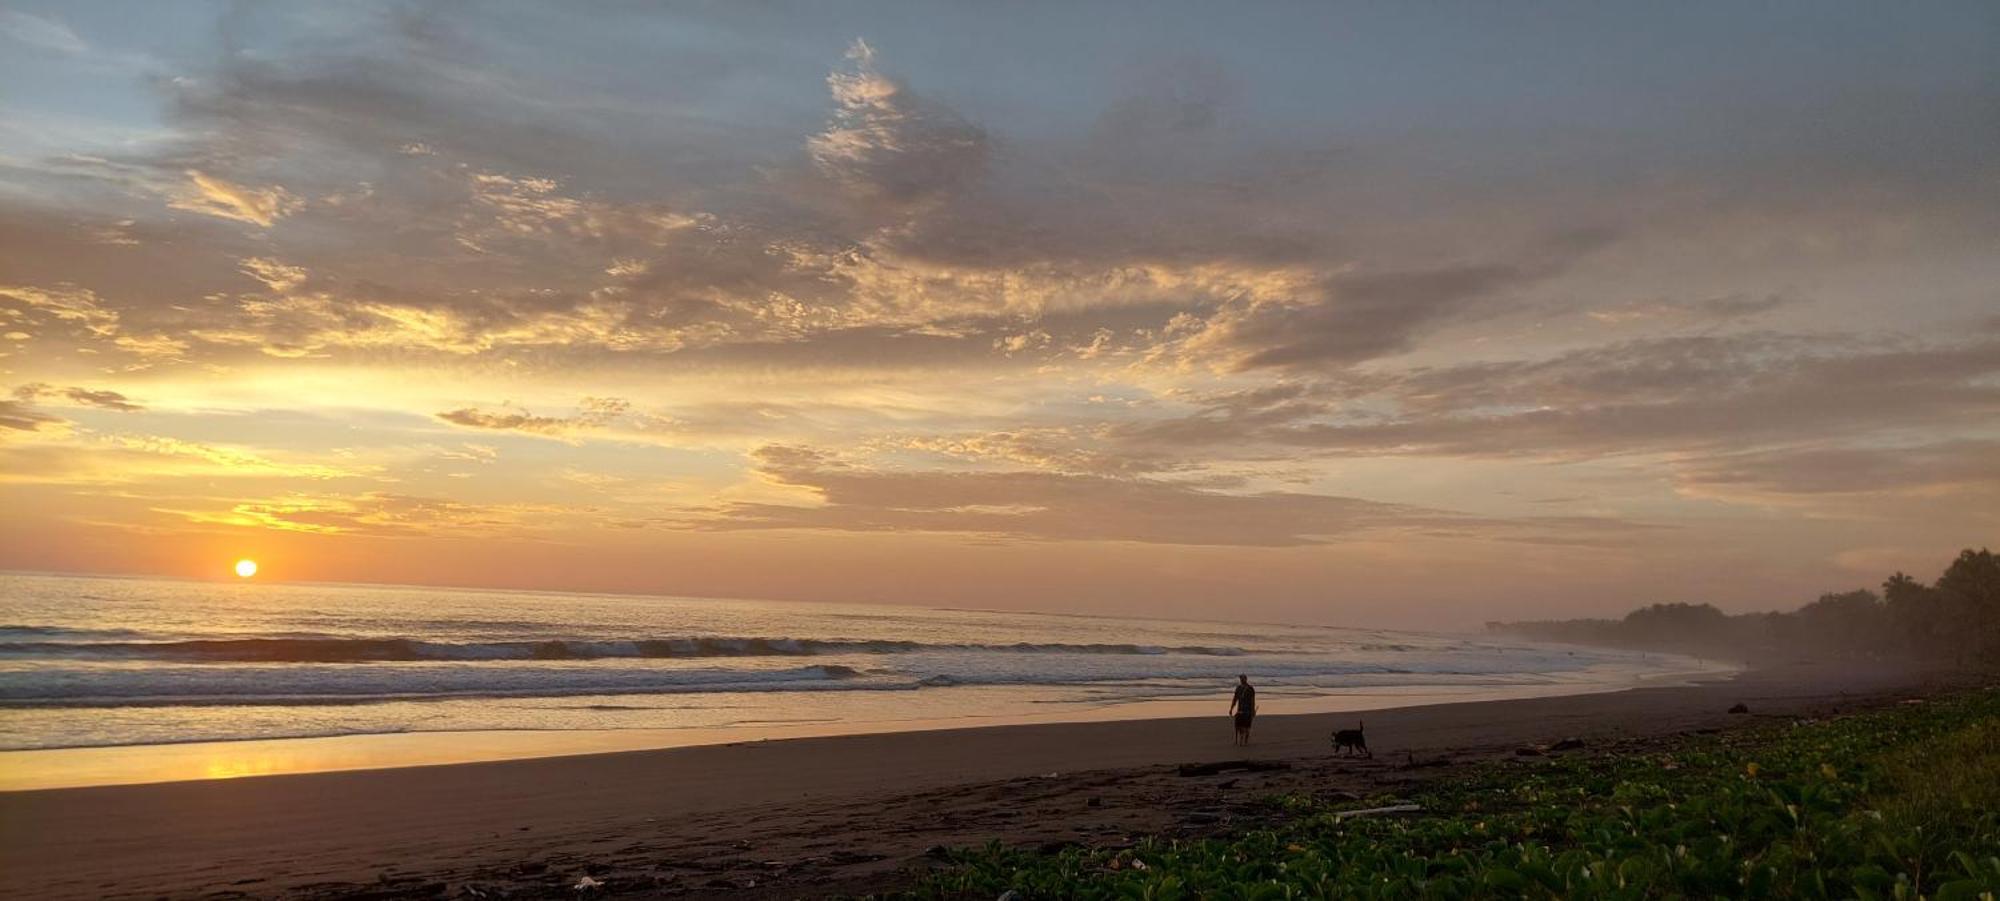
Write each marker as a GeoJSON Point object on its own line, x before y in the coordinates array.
{"type": "Point", "coordinates": [1243, 706]}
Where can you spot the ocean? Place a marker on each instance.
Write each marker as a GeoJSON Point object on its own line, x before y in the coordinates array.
{"type": "Point", "coordinates": [93, 662]}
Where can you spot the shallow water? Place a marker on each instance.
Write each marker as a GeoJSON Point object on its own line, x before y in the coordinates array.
{"type": "Point", "coordinates": [111, 661]}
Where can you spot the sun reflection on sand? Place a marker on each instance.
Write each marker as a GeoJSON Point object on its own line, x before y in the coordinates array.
{"type": "Point", "coordinates": [72, 767]}
{"type": "Point", "coordinates": [236, 766]}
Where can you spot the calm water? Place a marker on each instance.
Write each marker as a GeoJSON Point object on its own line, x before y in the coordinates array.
{"type": "Point", "coordinates": [101, 661]}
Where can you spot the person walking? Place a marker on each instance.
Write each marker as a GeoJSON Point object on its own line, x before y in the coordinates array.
{"type": "Point", "coordinates": [1243, 706]}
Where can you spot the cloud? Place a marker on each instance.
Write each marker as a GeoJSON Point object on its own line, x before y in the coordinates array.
{"type": "Point", "coordinates": [1651, 395]}
{"type": "Point", "coordinates": [1355, 316]}
{"type": "Point", "coordinates": [66, 303]}
{"type": "Point", "coordinates": [1926, 469]}
{"type": "Point", "coordinates": [21, 416]}
{"type": "Point", "coordinates": [375, 513]}
{"type": "Point", "coordinates": [78, 313]}
{"type": "Point", "coordinates": [109, 400]}
{"type": "Point", "coordinates": [1359, 317]}
{"type": "Point", "coordinates": [222, 460]}
{"type": "Point", "coordinates": [153, 347]}
{"type": "Point", "coordinates": [483, 454]}
{"type": "Point", "coordinates": [1047, 506]}
{"type": "Point", "coordinates": [1013, 344]}
{"type": "Point", "coordinates": [592, 412]}
{"type": "Point", "coordinates": [152, 461]}
{"type": "Point", "coordinates": [1051, 448]}
{"type": "Point", "coordinates": [1714, 309]}
{"type": "Point", "coordinates": [215, 196]}
{"type": "Point", "coordinates": [886, 143]}
{"type": "Point", "coordinates": [535, 209]}
{"type": "Point", "coordinates": [39, 31]}
{"type": "Point", "coordinates": [275, 275]}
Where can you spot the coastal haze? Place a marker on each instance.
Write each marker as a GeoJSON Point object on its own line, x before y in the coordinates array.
{"type": "Point", "coordinates": [1386, 317]}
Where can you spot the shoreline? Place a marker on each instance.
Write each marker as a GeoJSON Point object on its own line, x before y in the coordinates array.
{"type": "Point", "coordinates": [790, 813]}
{"type": "Point", "coordinates": [42, 769]}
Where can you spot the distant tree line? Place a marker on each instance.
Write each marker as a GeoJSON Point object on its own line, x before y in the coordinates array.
{"type": "Point", "coordinates": [1955, 620]}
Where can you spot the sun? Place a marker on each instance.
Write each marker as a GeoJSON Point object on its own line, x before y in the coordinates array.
{"type": "Point", "coordinates": [246, 567]}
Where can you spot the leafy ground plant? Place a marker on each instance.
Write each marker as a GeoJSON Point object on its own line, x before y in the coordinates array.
{"type": "Point", "coordinates": [1902, 803]}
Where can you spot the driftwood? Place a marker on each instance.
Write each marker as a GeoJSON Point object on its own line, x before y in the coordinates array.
{"type": "Point", "coordinates": [1248, 766]}
{"type": "Point", "coordinates": [1376, 811]}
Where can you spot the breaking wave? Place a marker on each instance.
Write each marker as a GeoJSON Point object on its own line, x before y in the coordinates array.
{"type": "Point", "coordinates": [372, 650]}
{"type": "Point", "coordinates": [292, 687]}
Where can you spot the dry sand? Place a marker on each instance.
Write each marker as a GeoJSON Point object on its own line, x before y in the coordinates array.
{"type": "Point", "coordinates": [793, 818]}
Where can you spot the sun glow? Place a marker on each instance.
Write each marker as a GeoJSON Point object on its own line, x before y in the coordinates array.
{"type": "Point", "coordinates": [246, 568]}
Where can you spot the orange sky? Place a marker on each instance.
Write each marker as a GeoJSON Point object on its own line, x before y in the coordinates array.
{"type": "Point", "coordinates": [1233, 316]}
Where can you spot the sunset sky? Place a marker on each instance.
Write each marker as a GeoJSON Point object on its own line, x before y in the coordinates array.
{"type": "Point", "coordinates": [1385, 314]}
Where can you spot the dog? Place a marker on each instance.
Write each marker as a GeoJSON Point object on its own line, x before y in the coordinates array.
{"type": "Point", "coordinates": [1353, 741]}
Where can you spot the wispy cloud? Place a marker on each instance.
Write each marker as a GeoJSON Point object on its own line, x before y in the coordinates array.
{"type": "Point", "coordinates": [592, 412]}
{"type": "Point", "coordinates": [1056, 506]}
{"type": "Point", "coordinates": [215, 196]}
{"type": "Point", "coordinates": [41, 32]}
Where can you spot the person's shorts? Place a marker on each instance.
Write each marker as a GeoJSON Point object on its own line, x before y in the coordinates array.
{"type": "Point", "coordinates": [1243, 719]}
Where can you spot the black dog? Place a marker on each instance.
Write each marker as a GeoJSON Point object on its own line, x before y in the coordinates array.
{"type": "Point", "coordinates": [1352, 740]}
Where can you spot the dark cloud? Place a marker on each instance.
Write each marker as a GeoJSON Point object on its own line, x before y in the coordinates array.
{"type": "Point", "coordinates": [1360, 318]}
{"type": "Point", "coordinates": [1351, 317]}
{"type": "Point", "coordinates": [109, 400]}
{"type": "Point", "coordinates": [1644, 396]}
{"type": "Point", "coordinates": [20, 416]}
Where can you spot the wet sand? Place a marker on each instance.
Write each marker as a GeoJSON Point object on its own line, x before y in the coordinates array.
{"type": "Point", "coordinates": [137, 764]}
{"type": "Point", "coordinates": [795, 818]}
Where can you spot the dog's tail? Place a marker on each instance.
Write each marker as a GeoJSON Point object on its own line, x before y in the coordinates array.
{"type": "Point", "coordinates": [1360, 726]}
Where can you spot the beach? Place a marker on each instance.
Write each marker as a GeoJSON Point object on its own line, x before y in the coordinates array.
{"type": "Point", "coordinates": [808, 816]}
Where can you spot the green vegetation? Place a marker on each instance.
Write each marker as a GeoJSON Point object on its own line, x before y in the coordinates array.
{"type": "Point", "coordinates": [1899, 803]}
{"type": "Point", "coordinates": [1954, 621]}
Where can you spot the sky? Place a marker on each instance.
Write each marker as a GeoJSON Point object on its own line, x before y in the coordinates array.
{"type": "Point", "coordinates": [1413, 315]}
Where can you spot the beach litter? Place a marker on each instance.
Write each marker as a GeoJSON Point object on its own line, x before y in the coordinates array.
{"type": "Point", "coordinates": [586, 884]}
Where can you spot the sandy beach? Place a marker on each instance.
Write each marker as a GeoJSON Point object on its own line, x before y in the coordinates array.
{"type": "Point", "coordinates": [793, 817]}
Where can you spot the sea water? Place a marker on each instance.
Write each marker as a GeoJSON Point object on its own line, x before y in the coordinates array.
{"type": "Point", "coordinates": [90, 661]}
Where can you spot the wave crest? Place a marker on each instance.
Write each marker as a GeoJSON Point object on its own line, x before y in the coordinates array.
{"type": "Point", "coordinates": [371, 650]}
